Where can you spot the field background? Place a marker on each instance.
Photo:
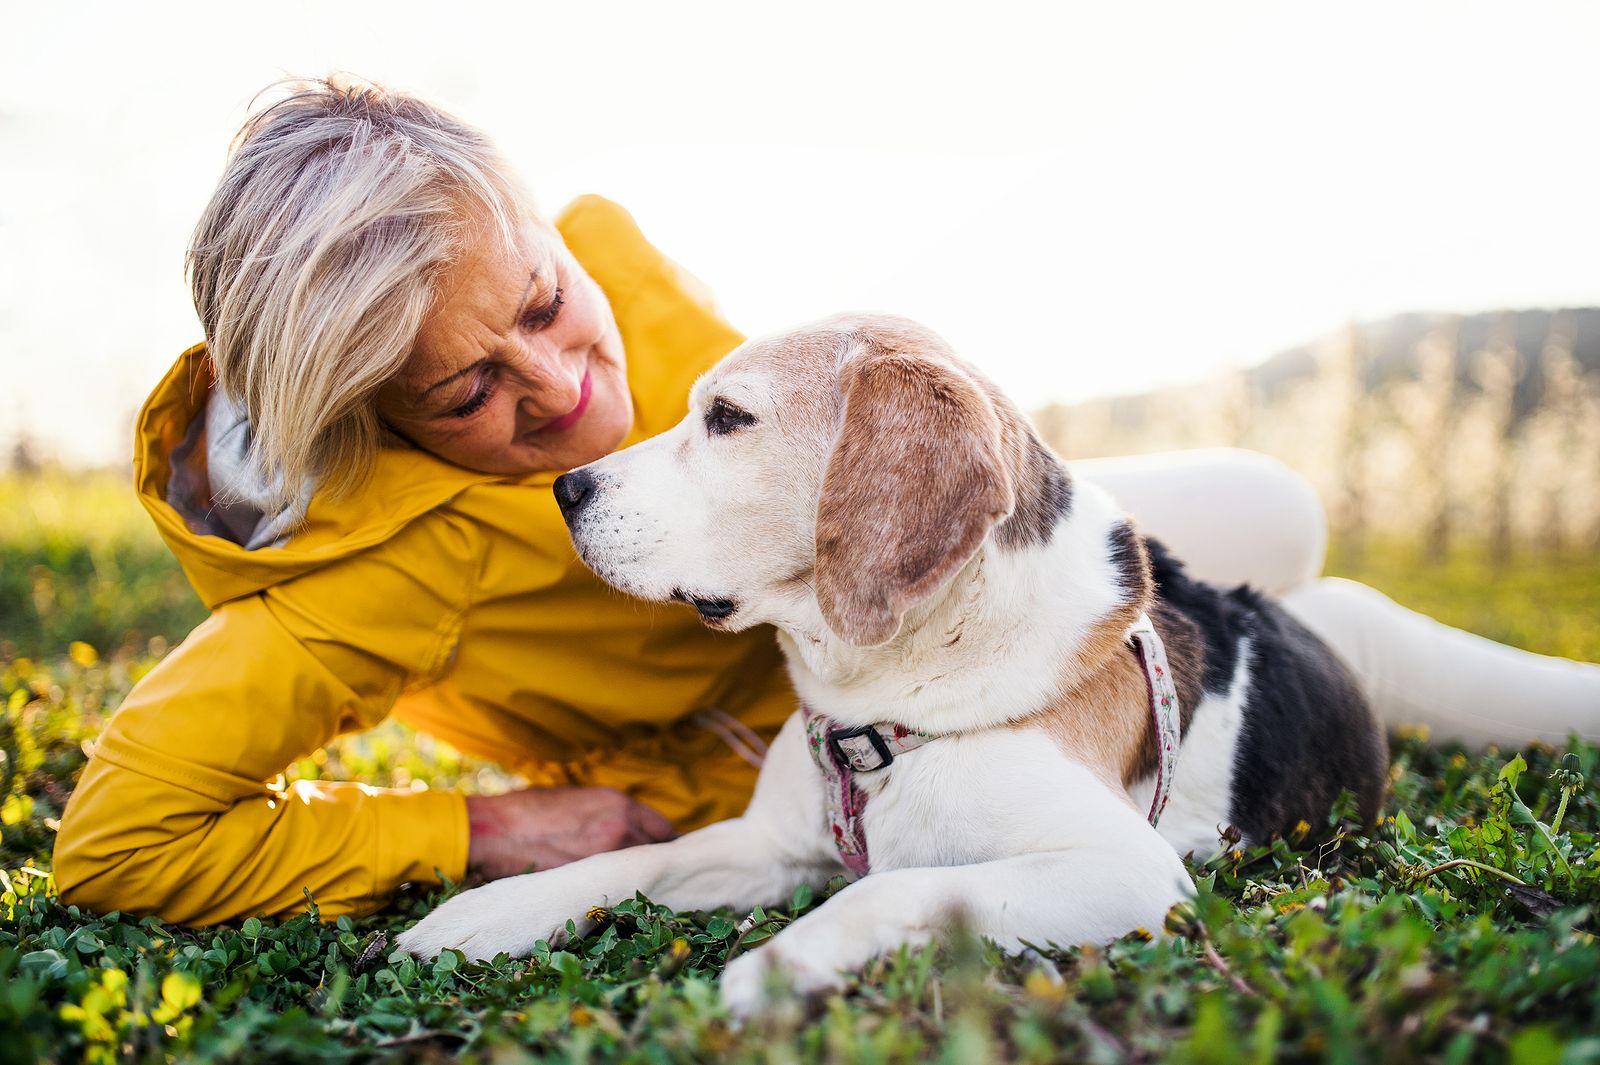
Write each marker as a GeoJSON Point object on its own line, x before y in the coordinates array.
{"type": "Point", "coordinates": [1090, 201]}
{"type": "Point", "coordinates": [1460, 461]}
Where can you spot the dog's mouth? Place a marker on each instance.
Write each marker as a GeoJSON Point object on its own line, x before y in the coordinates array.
{"type": "Point", "coordinates": [712, 611]}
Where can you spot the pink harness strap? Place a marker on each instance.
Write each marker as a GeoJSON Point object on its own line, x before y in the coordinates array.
{"type": "Point", "coordinates": [840, 753]}
{"type": "Point", "coordinates": [1163, 694]}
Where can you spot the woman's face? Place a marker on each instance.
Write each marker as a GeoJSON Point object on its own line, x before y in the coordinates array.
{"type": "Point", "coordinates": [519, 366]}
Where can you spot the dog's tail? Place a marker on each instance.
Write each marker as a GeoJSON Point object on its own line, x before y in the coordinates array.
{"type": "Point", "coordinates": [1416, 671]}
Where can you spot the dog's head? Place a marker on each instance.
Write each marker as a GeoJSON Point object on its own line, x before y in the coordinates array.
{"type": "Point", "coordinates": [840, 473]}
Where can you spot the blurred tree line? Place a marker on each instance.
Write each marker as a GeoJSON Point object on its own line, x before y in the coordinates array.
{"type": "Point", "coordinates": [1436, 430]}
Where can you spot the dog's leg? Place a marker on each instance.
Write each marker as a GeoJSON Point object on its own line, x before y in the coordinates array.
{"type": "Point", "coordinates": [1084, 895]}
{"type": "Point", "coordinates": [758, 858]}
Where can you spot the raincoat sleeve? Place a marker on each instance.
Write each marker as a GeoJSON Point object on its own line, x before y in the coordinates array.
{"type": "Point", "coordinates": [178, 814]}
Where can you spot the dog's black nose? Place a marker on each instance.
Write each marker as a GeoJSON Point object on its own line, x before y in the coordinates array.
{"type": "Point", "coordinates": [573, 490]}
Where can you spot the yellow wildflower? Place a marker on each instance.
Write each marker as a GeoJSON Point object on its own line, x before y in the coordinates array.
{"type": "Point", "coordinates": [1039, 985]}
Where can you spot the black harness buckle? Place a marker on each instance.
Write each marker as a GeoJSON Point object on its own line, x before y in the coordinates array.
{"type": "Point", "coordinates": [871, 733]}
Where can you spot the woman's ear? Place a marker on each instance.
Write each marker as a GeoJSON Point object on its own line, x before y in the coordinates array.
{"type": "Point", "coordinates": [915, 482]}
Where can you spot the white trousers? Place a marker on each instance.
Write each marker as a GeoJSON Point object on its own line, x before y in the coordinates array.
{"type": "Point", "coordinates": [1237, 517]}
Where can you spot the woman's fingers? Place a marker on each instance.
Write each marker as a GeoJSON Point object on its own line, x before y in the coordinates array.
{"type": "Point", "coordinates": [652, 826]}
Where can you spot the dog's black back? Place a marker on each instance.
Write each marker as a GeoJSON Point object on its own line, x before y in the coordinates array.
{"type": "Point", "coordinates": [1308, 732]}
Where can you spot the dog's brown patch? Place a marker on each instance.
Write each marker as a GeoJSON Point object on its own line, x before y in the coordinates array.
{"type": "Point", "coordinates": [1095, 719]}
{"type": "Point", "coordinates": [1102, 716]}
{"type": "Point", "coordinates": [915, 482]}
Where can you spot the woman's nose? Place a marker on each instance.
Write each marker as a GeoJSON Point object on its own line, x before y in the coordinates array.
{"type": "Point", "coordinates": [555, 381]}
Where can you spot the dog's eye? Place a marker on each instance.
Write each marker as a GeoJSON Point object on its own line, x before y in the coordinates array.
{"type": "Point", "coordinates": [723, 417]}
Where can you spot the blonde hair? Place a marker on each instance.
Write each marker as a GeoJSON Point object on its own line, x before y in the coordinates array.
{"type": "Point", "coordinates": [318, 258]}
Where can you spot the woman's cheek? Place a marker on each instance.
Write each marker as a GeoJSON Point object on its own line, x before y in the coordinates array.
{"type": "Point", "coordinates": [505, 427]}
{"type": "Point", "coordinates": [481, 436]}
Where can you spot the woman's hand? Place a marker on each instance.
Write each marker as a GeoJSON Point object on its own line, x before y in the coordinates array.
{"type": "Point", "coordinates": [539, 828]}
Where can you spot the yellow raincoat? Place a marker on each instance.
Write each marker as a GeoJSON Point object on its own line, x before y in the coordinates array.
{"type": "Point", "coordinates": [449, 598]}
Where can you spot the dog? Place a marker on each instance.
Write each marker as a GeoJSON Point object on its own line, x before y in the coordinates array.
{"type": "Point", "coordinates": [1015, 709]}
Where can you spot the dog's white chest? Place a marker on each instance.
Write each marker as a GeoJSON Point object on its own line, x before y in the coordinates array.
{"type": "Point", "coordinates": [968, 799]}
{"type": "Point", "coordinates": [981, 797]}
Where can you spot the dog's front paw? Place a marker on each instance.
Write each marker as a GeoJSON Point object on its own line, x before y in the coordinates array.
{"type": "Point", "coordinates": [508, 916]}
{"type": "Point", "coordinates": [753, 982]}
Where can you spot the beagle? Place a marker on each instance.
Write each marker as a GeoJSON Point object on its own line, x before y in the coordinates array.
{"type": "Point", "coordinates": [995, 669]}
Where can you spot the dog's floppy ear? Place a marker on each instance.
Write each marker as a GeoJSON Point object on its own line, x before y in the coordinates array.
{"type": "Point", "coordinates": [914, 484]}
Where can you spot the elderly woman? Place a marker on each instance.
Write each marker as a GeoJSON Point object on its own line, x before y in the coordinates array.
{"type": "Point", "coordinates": [354, 470]}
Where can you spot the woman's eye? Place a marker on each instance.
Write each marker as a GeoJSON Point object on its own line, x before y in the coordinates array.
{"type": "Point", "coordinates": [473, 405]}
{"type": "Point", "coordinates": [723, 417]}
{"type": "Point", "coordinates": [538, 319]}
{"type": "Point", "coordinates": [480, 395]}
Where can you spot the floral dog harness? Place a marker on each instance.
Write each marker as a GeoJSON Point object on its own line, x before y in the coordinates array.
{"type": "Point", "coordinates": [840, 753]}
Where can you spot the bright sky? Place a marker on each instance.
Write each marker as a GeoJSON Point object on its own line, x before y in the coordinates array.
{"type": "Point", "coordinates": [1084, 198]}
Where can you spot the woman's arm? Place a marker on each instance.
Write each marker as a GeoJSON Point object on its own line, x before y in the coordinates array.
{"type": "Point", "coordinates": [172, 815]}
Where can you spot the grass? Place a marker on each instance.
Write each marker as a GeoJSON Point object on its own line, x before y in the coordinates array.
{"type": "Point", "coordinates": [1544, 603]}
{"type": "Point", "coordinates": [81, 561]}
{"type": "Point", "coordinates": [1458, 929]}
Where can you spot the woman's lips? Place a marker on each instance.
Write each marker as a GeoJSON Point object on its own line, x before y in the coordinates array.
{"type": "Point", "coordinates": [569, 419]}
